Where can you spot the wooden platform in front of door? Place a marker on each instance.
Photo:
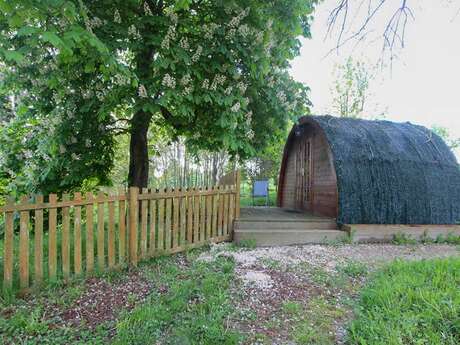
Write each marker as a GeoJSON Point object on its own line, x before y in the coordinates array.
{"type": "Point", "coordinates": [272, 226]}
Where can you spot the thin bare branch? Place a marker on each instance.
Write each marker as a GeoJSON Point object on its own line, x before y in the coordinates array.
{"type": "Point", "coordinates": [393, 33]}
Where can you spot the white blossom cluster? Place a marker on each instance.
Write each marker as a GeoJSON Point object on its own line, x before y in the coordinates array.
{"type": "Point", "coordinates": [117, 17]}
{"type": "Point", "coordinates": [121, 79]}
{"type": "Point", "coordinates": [147, 9]}
{"type": "Point", "coordinates": [184, 43]}
{"type": "Point", "coordinates": [142, 91]}
{"type": "Point", "coordinates": [244, 30]}
{"type": "Point", "coordinates": [228, 90]}
{"type": "Point", "coordinates": [87, 94]}
{"type": "Point", "coordinates": [205, 84]}
{"type": "Point", "coordinates": [236, 20]}
{"type": "Point", "coordinates": [236, 107]}
{"type": "Point", "coordinates": [218, 80]}
{"type": "Point", "coordinates": [185, 80]}
{"type": "Point", "coordinates": [198, 52]}
{"type": "Point", "coordinates": [168, 81]}
{"type": "Point", "coordinates": [170, 36]}
{"type": "Point", "coordinates": [187, 90]}
{"type": "Point", "coordinates": [242, 87]}
{"type": "Point", "coordinates": [210, 30]}
{"type": "Point", "coordinates": [281, 96]}
{"type": "Point", "coordinates": [94, 22]}
{"type": "Point", "coordinates": [134, 32]}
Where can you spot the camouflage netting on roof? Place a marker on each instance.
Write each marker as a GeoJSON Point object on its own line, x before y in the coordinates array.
{"type": "Point", "coordinates": [392, 173]}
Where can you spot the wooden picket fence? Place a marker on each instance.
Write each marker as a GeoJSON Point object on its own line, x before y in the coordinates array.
{"type": "Point", "coordinates": [100, 232]}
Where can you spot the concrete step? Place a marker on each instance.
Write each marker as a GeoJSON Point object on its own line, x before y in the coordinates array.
{"type": "Point", "coordinates": [326, 224]}
{"type": "Point", "coordinates": [281, 237]}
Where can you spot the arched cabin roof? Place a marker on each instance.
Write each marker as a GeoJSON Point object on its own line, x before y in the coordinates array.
{"type": "Point", "coordinates": [387, 172]}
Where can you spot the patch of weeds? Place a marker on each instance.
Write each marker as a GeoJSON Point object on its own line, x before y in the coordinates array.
{"type": "Point", "coordinates": [247, 244]}
{"type": "Point", "coordinates": [450, 238]}
{"type": "Point", "coordinates": [353, 269]}
{"type": "Point", "coordinates": [410, 302]}
{"type": "Point", "coordinates": [325, 278]}
{"type": "Point", "coordinates": [291, 307]}
{"type": "Point", "coordinates": [259, 339]}
{"type": "Point", "coordinates": [425, 239]}
{"type": "Point", "coordinates": [191, 306]}
{"type": "Point", "coordinates": [271, 264]}
{"type": "Point", "coordinates": [316, 326]}
{"type": "Point", "coordinates": [401, 238]}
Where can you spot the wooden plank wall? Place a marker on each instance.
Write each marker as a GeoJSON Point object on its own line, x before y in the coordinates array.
{"type": "Point", "coordinates": [324, 193]}
{"type": "Point", "coordinates": [108, 231]}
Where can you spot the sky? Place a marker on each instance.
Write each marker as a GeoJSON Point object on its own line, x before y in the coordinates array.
{"type": "Point", "coordinates": [421, 86]}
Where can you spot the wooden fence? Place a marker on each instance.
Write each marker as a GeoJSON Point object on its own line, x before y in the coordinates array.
{"type": "Point", "coordinates": [99, 232]}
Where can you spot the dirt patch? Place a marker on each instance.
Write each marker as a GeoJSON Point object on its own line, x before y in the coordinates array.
{"type": "Point", "coordinates": [102, 301]}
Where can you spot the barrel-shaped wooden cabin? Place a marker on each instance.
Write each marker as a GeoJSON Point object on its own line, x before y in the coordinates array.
{"type": "Point", "coordinates": [369, 172]}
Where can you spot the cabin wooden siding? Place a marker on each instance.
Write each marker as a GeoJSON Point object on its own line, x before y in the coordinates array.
{"type": "Point", "coordinates": [324, 193]}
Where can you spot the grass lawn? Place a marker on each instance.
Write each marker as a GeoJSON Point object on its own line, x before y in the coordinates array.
{"type": "Point", "coordinates": [410, 303]}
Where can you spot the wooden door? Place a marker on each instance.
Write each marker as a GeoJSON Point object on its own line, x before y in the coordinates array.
{"type": "Point", "coordinates": [303, 174]}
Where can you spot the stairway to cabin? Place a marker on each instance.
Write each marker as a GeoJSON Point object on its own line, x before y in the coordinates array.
{"type": "Point", "coordinates": [273, 226]}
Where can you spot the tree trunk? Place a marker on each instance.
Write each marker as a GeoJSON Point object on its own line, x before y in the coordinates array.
{"type": "Point", "coordinates": [138, 150]}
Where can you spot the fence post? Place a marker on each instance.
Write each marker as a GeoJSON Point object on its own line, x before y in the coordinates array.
{"type": "Point", "coordinates": [133, 222]}
{"type": "Point", "coordinates": [237, 195]}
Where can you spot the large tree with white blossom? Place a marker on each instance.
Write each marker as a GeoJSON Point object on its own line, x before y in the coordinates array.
{"type": "Point", "coordinates": [79, 72]}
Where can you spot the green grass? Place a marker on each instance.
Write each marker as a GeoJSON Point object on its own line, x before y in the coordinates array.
{"type": "Point", "coordinates": [313, 323]}
{"type": "Point", "coordinates": [194, 309]}
{"type": "Point", "coordinates": [410, 303]}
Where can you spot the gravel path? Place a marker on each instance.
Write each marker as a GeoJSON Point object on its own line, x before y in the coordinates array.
{"type": "Point", "coordinates": [328, 257]}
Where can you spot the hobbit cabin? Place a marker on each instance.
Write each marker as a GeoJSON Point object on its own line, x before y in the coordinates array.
{"type": "Point", "coordinates": [369, 172]}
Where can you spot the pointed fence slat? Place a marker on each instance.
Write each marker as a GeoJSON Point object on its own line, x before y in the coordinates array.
{"type": "Point", "coordinates": [161, 225]}
{"type": "Point", "coordinates": [175, 228]}
{"type": "Point", "coordinates": [202, 232]}
{"type": "Point", "coordinates": [121, 227]}
{"type": "Point", "coordinates": [8, 249]}
{"type": "Point", "coordinates": [215, 208]}
{"type": "Point", "coordinates": [168, 229]}
{"type": "Point", "coordinates": [208, 215]}
{"type": "Point", "coordinates": [183, 221]}
{"type": "Point", "coordinates": [144, 215]}
{"type": "Point", "coordinates": [170, 221]}
{"type": "Point", "coordinates": [225, 221]}
{"type": "Point", "coordinates": [153, 225]}
{"type": "Point", "coordinates": [111, 235]}
{"type": "Point", "coordinates": [89, 249]}
{"type": "Point", "coordinates": [77, 236]}
{"type": "Point", "coordinates": [196, 219]}
{"type": "Point", "coordinates": [24, 247]}
{"type": "Point", "coordinates": [220, 215]}
{"type": "Point", "coordinates": [133, 224]}
{"type": "Point", "coordinates": [38, 242]}
{"type": "Point", "coordinates": [52, 245]}
{"type": "Point", "coordinates": [190, 220]}
{"type": "Point", "coordinates": [100, 231]}
{"type": "Point", "coordinates": [65, 239]}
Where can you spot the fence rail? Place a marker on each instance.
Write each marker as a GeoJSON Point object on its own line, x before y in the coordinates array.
{"type": "Point", "coordinates": [100, 232]}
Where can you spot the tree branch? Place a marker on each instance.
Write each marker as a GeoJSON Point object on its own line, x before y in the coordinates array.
{"type": "Point", "coordinates": [393, 33]}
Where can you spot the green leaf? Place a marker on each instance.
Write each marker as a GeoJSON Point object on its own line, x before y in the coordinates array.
{"type": "Point", "coordinates": [52, 38]}
{"type": "Point", "coordinates": [13, 55]}
{"type": "Point", "coordinates": [27, 30]}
